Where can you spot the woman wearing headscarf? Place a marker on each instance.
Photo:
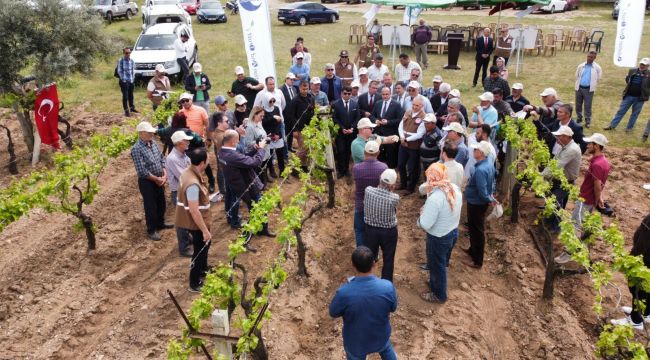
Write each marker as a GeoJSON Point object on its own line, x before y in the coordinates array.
{"type": "Point", "coordinates": [439, 217]}
{"type": "Point", "coordinates": [271, 122]}
{"type": "Point", "coordinates": [255, 133]}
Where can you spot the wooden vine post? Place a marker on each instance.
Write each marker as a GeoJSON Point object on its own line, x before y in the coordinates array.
{"type": "Point", "coordinates": [11, 150]}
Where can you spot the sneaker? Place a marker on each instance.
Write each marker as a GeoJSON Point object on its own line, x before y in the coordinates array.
{"type": "Point", "coordinates": [155, 236]}
{"type": "Point", "coordinates": [187, 253]}
{"type": "Point", "coordinates": [563, 258]}
{"type": "Point", "coordinates": [608, 128]}
{"type": "Point", "coordinates": [429, 297]}
{"type": "Point", "coordinates": [627, 310]}
{"type": "Point", "coordinates": [626, 321]}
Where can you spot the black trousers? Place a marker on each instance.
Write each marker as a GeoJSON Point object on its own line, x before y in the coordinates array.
{"type": "Point", "coordinates": [639, 294]}
{"type": "Point", "coordinates": [408, 163]}
{"type": "Point", "coordinates": [185, 68]}
{"type": "Point", "coordinates": [476, 220]}
{"type": "Point", "coordinates": [153, 197]}
{"type": "Point", "coordinates": [386, 239]}
{"type": "Point", "coordinates": [343, 153]}
{"type": "Point", "coordinates": [481, 63]}
{"type": "Point", "coordinates": [199, 258]}
{"type": "Point", "coordinates": [389, 154]}
{"type": "Point", "coordinates": [127, 95]}
{"type": "Point", "coordinates": [210, 175]}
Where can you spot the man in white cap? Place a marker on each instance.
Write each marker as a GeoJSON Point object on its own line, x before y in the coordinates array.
{"type": "Point", "coordinates": [331, 84]}
{"type": "Point", "coordinates": [430, 146]}
{"type": "Point", "coordinates": [412, 91]}
{"type": "Point", "coordinates": [456, 135]}
{"type": "Point", "coordinates": [355, 90]}
{"type": "Point", "coordinates": [300, 69]}
{"type": "Point", "coordinates": [516, 100]}
{"type": "Point", "coordinates": [568, 159]}
{"type": "Point", "coordinates": [377, 70]}
{"type": "Point", "coordinates": [244, 85]}
{"type": "Point", "coordinates": [300, 48]}
{"type": "Point", "coordinates": [636, 93]}
{"type": "Point", "coordinates": [320, 98]}
{"type": "Point", "coordinates": [198, 85]}
{"type": "Point", "coordinates": [545, 115]}
{"type": "Point", "coordinates": [479, 195]}
{"type": "Point", "coordinates": [482, 133]}
{"type": "Point", "coordinates": [403, 69]}
{"type": "Point", "coordinates": [588, 74]}
{"type": "Point", "coordinates": [152, 176]}
{"type": "Point", "coordinates": [364, 128]}
{"type": "Point", "coordinates": [368, 99]}
{"type": "Point", "coordinates": [364, 80]}
{"type": "Point", "coordinates": [429, 92]}
{"type": "Point", "coordinates": [591, 189]}
{"type": "Point", "coordinates": [380, 218]}
{"type": "Point", "coordinates": [365, 173]}
{"type": "Point", "coordinates": [440, 98]}
{"type": "Point", "coordinates": [158, 87]}
{"type": "Point", "coordinates": [175, 163]}
{"type": "Point", "coordinates": [484, 113]}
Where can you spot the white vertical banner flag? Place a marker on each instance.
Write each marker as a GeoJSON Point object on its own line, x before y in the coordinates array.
{"type": "Point", "coordinates": [256, 26]}
{"type": "Point", "coordinates": [628, 32]}
{"type": "Point", "coordinates": [411, 15]}
{"type": "Point", "coordinates": [370, 14]}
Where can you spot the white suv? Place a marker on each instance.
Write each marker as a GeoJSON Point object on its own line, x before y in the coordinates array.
{"type": "Point", "coordinates": [156, 46]}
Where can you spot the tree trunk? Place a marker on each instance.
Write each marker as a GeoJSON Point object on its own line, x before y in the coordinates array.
{"type": "Point", "coordinates": [66, 136]}
{"type": "Point", "coordinates": [26, 125]}
{"type": "Point", "coordinates": [331, 200]}
{"type": "Point", "coordinates": [302, 267]}
{"type": "Point", "coordinates": [12, 166]}
{"type": "Point", "coordinates": [87, 222]}
{"type": "Point", "coordinates": [514, 203]}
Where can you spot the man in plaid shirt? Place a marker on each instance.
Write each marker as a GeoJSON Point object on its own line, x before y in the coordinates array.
{"type": "Point", "coordinates": [380, 217]}
{"type": "Point", "coordinates": [494, 81]}
{"type": "Point", "coordinates": [152, 176]}
{"type": "Point", "coordinates": [126, 72]}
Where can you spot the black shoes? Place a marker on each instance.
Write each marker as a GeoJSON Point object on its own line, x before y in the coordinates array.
{"type": "Point", "coordinates": [135, 111]}
{"type": "Point", "coordinates": [609, 128]}
{"type": "Point", "coordinates": [211, 188]}
{"type": "Point", "coordinates": [268, 233]}
{"type": "Point", "coordinates": [167, 226]}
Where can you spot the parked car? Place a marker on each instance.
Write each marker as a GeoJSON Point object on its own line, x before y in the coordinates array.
{"type": "Point", "coordinates": [616, 7]}
{"type": "Point", "coordinates": [190, 6]}
{"type": "Point", "coordinates": [211, 11]}
{"type": "Point", "coordinates": [554, 6]}
{"type": "Point", "coordinates": [156, 46]}
{"type": "Point", "coordinates": [159, 14]}
{"type": "Point", "coordinates": [469, 4]}
{"type": "Point", "coordinates": [111, 9]}
{"type": "Point", "coordinates": [304, 12]}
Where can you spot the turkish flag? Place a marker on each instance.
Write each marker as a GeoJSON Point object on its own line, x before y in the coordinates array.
{"type": "Point", "coordinates": [46, 115]}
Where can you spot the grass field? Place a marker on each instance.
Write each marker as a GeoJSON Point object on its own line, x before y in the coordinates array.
{"type": "Point", "coordinates": [220, 51]}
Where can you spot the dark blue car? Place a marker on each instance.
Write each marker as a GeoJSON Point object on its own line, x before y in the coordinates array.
{"type": "Point", "coordinates": [211, 12]}
{"type": "Point", "coordinates": [305, 12]}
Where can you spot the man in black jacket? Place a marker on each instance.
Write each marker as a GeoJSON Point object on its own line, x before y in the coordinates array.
{"type": "Point", "coordinates": [345, 113]}
{"type": "Point", "coordinates": [636, 93]}
{"type": "Point", "coordinates": [242, 183]}
{"type": "Point", "coordinates": [299, 113]}
{"type": "Point", "coordinates": [198, 84]}
{"type": "Point", "coordinates": [387, 115]}
{"type": "Point", "coordinates": [484, 49]}
{"type": "Point", "coordinates": [367, 100]}
{"type": "Point", "coordinates": [564, 113]}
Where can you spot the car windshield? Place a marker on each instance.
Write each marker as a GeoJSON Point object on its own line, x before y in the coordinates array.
{"type": "Point", "coordinates": [156, 42]}
{"type": "Point", "coordinates": [165, 2]}
{"type": "Point", "coordinates": [210, 5]}
{"type": "Point", "coordinates": [103, 2]}
{"type": "Point", "coordinates": [188, 1]}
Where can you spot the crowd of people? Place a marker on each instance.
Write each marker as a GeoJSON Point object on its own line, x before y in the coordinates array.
{"type": "Point", "coordinates": [395, 136]}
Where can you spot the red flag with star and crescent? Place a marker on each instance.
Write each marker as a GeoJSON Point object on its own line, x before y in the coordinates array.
{"type": "Point", "coordinates": [46, 115]}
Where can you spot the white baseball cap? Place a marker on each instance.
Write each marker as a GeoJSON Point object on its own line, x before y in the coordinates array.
{"type": "Point", "coordinates": [414, 84]}
{"type": "Point", "coordinates": [597, 138]}
{"type": "Point", "coordinates": [518, 86]}
{"type": "Point", "coordinates": [365, 123]}
{"type": "Point", "coordinates": [239, 70]}
{"type": "Point", "coordinates": [455, 93]}
{"type": "Point", "coordinates": [160, 68]}
{"type": "Point", "coordinates": [430, 117]}
{"type": "Point", "coordinates": [389, 176]}
{"type": "Point", "coordinates": [355, 84]}
{"type": "Point", "coordinates": [483, 146]}
{"type": "Point", "coordinates": [197, 67]}
{"type": "Point", "coordinates": [146, 127]}
{"type": "Point", "coordinates": [315, 80]}
{"type": "Point", "coordinates": [372, 147]}
{"type": "Point", "coordinates": [563, 130]}
{"type": "Point", "coordinates": [486, 96]}
{"type": "Point", "coordinates": [179, 136]}
{"type": "Point", "coordinates": [185, 96]}
{"type": "Point", "coordinates": [454, 127]}
{"type": "Point", "coordinates": [240, 99]}
{"type": "Point", "coordinates": [300, 55]}
{"type": "Point", "coordinates": [290, 76]}
{"type": "Point", "coordinates": [548, 92]}
{"type": "Point", "coordinates": [437, 79]}
{"type": "Point", "coordinates": [645, 61]}
{"type": "Point", "coordinates": [363, 71]}
{"type": "Point", "coordinates": [445, 88]}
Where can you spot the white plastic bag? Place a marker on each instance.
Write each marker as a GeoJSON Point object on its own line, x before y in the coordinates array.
{"type": "Point", "coordinates": [496, 213]}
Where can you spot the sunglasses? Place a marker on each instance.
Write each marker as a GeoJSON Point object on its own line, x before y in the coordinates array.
{"type": "Point", "coordinates": [272, 101]}
{"type": "Point", "coordinates": [240, 105]}
{"type": "Point", "coordinates": [330, 69]}
{"type": "Point", "coordinates": [345, 57]}
{"type": "Point", "coordinates": [184, 101]}
{"type": "Point", "coordinates": [347, 93]}
{"type": "Point", "coordinates": [412, 90]}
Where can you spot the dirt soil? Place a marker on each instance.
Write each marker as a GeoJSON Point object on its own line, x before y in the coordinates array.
{"type": "Point", "coordinates": [57, 302]}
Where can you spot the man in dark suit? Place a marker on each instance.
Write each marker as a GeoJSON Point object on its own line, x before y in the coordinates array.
{"type": "Point", "coordinates": [387, 115]}
{"type": "Point", "coordinates": [289, 91]}
{"type": "Point", "coordinates": [367, 100]}
{"type": "Point", "coordinates": [484, 48]}
{"type": "Point", "coordinates": [345, 113]}
{"type": "Point", "coordinates": [440, 98]}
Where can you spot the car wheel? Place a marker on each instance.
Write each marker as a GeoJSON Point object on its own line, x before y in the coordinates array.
{"type": "Point", "coordinates": [286, 22]}
{"type": "Point", "coordinates": [553, 9]}
{"type": "Point", "coordinates": [302, 21]}
{"type": "Point", "coordinates": [109, 17]}
{"type": "Point", "coordinates": [196, 55]}
{"type": "Point", "coordinates": [394, 7]}
{"type": "Point", "coordinates": [332, 18]}
{"type": "Point", "coordinates": [129, 14]}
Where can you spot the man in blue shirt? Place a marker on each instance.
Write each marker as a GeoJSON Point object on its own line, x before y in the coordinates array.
{"type": "Point", "coordinates": [478, 193]}
{"type": "Point", "coordinates": [300, 70]}
{"type": "Point", "coordinates": [126, 72]}
{"type": "Point", "coordinates": [588, 74]}
{"type": "Point", "coordinates": [365, 303]}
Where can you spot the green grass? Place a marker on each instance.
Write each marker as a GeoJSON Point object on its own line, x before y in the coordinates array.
{"type": "Point", "coordinates": [220, 50]}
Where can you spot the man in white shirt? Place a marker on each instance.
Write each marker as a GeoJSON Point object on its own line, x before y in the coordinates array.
{"type": "Point", "coordinates": [269, 88]}
{"type": "Point", "coordinates": [413, 93]}
{"type": "Point", "coordinates": [378, 69]}
{"type": "Point", "coordinates": [403, 69]}
{"type": "Point", "coordinates": [180, 46]}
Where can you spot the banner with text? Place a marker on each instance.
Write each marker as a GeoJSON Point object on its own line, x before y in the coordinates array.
{"type": "Point", "coordinates": [256, 28]}
{"type": "Point", "coordinates": [628, 32]}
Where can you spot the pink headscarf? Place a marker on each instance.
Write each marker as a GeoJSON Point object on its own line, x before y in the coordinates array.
{"type": "Point", "coordinates": [437, 178]}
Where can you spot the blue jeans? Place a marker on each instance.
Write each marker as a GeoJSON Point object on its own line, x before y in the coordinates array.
{"type": "Point", "coordinates": [359, 226]}
{"type": "Point", "coordinates": [387, 353]}
{"type": "Point", "coordinates": [438, 254]}
{"type": "Point", "coordinates": [636, 103]}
